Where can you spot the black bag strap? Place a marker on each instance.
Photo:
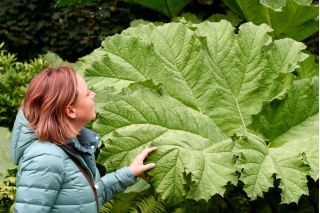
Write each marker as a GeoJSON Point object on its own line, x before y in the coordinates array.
{"type": "Point", "coordinates": [85, 173]}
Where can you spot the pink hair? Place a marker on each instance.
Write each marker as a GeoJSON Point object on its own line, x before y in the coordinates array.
{"type": "Point", "coordinates": [48, 95]}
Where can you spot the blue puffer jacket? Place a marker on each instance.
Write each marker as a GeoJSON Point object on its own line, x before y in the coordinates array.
{"type": "Point", "coordinates": [49, 181]}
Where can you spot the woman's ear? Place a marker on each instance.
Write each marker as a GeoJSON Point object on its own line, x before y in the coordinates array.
{"type": "Point", "coordinates": [70, 112]}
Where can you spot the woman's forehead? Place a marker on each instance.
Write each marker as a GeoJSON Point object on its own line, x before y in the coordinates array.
{"type": "Point", "coordinates": [81, 81]}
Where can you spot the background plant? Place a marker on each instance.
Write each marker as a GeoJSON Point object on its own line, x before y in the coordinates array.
{"type": "Point", "coordinates": [14, 77]}
{"type": "Point", "coordinates": [8, 191]}
{"type": "Point", "coordinates": [30, 28]}
{"type": "Point", "coordinates": [35, 27]}
{"type": "Point", "coordinates": [291, 18]}
{"type": "Point", "coordinates": [288, 18]}
{"type": "Point", "coordinates": [5, 160]}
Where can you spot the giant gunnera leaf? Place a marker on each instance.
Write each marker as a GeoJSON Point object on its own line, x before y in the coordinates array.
{"type": "Point", "coordinates": [192, 90]}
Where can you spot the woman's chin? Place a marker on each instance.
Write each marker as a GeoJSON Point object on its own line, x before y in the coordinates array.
{"type": "Point", "coordinates": [94, 115]}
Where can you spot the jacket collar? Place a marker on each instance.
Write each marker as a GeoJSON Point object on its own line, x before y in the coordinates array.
{"type": "Point", "coordinates": [86, 142]}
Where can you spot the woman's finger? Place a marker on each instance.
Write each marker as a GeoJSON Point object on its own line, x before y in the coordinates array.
{"type": "Point", "coordinates": [147, 151]}
{"type": "Point", "coordinates": [149, 166]}
{"type": "Point", "coordinates": [152, 149]}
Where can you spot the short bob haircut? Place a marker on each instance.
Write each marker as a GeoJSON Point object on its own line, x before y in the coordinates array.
{"type": "Point", "coordinates": [48, 95]}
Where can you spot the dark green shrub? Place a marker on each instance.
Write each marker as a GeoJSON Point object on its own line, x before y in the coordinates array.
{"type": "Point", "coordinates": [14, 77]}
{"type": "Point", "coordinates": [34, 27]}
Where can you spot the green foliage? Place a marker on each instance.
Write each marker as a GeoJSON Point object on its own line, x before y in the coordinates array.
{"type": "Point", "coordinates": [14, 77]}
{"type": "Point", "coordinates": [192, 90]}
{"type": "Point", "coordinates": [8, 191]}
{"type": "Point", "coordinates": [233, 201]}
{"type": "Point", "coordinates": [278, 5]}
{"type": "Point", "coordinates": [308, 68]}
{"type": "Point", "coordinates": [135, 200]}
{"type": "Point", "coordinates": [149, 204]}
{"type": "Point", "coordinates": [170, 8]}
{"type": "Point", "coordinates": [5, 160]}
{"type": "Point", "coordinates": [33, 27]}
{"type": "Point", "coordinates": [297, 19]}
{"type": "Point", "coordinates": [63, 3]}
{"type": "Point", "coordinates": [73, 28]}
{"type": "Point", "coordinates": [229, 16]}
{"type": "Point", "coordinates": [120, 203]}
{"type": "Point", "coordinates": [293, 20]}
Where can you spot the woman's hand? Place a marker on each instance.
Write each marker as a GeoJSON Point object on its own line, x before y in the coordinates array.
{"type": "Point", "coordinates": [137, 167]}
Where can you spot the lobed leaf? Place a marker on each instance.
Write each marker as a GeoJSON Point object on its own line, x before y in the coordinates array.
{"type": "Point", "coordinates": [258, 164]}
{"type": "Point", "coordinates": [186, 89]}
{"type": "Point", "coordinates": [292, 125]}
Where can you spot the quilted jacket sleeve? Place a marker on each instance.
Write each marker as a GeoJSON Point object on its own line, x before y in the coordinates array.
{"type": "Point", "coordinates": [117, 181]}
{"type": "Point", "coordinates": [38, 181]}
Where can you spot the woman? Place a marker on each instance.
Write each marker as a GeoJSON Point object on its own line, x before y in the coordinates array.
{"type": "Point", "coordinates": [55, 153]}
